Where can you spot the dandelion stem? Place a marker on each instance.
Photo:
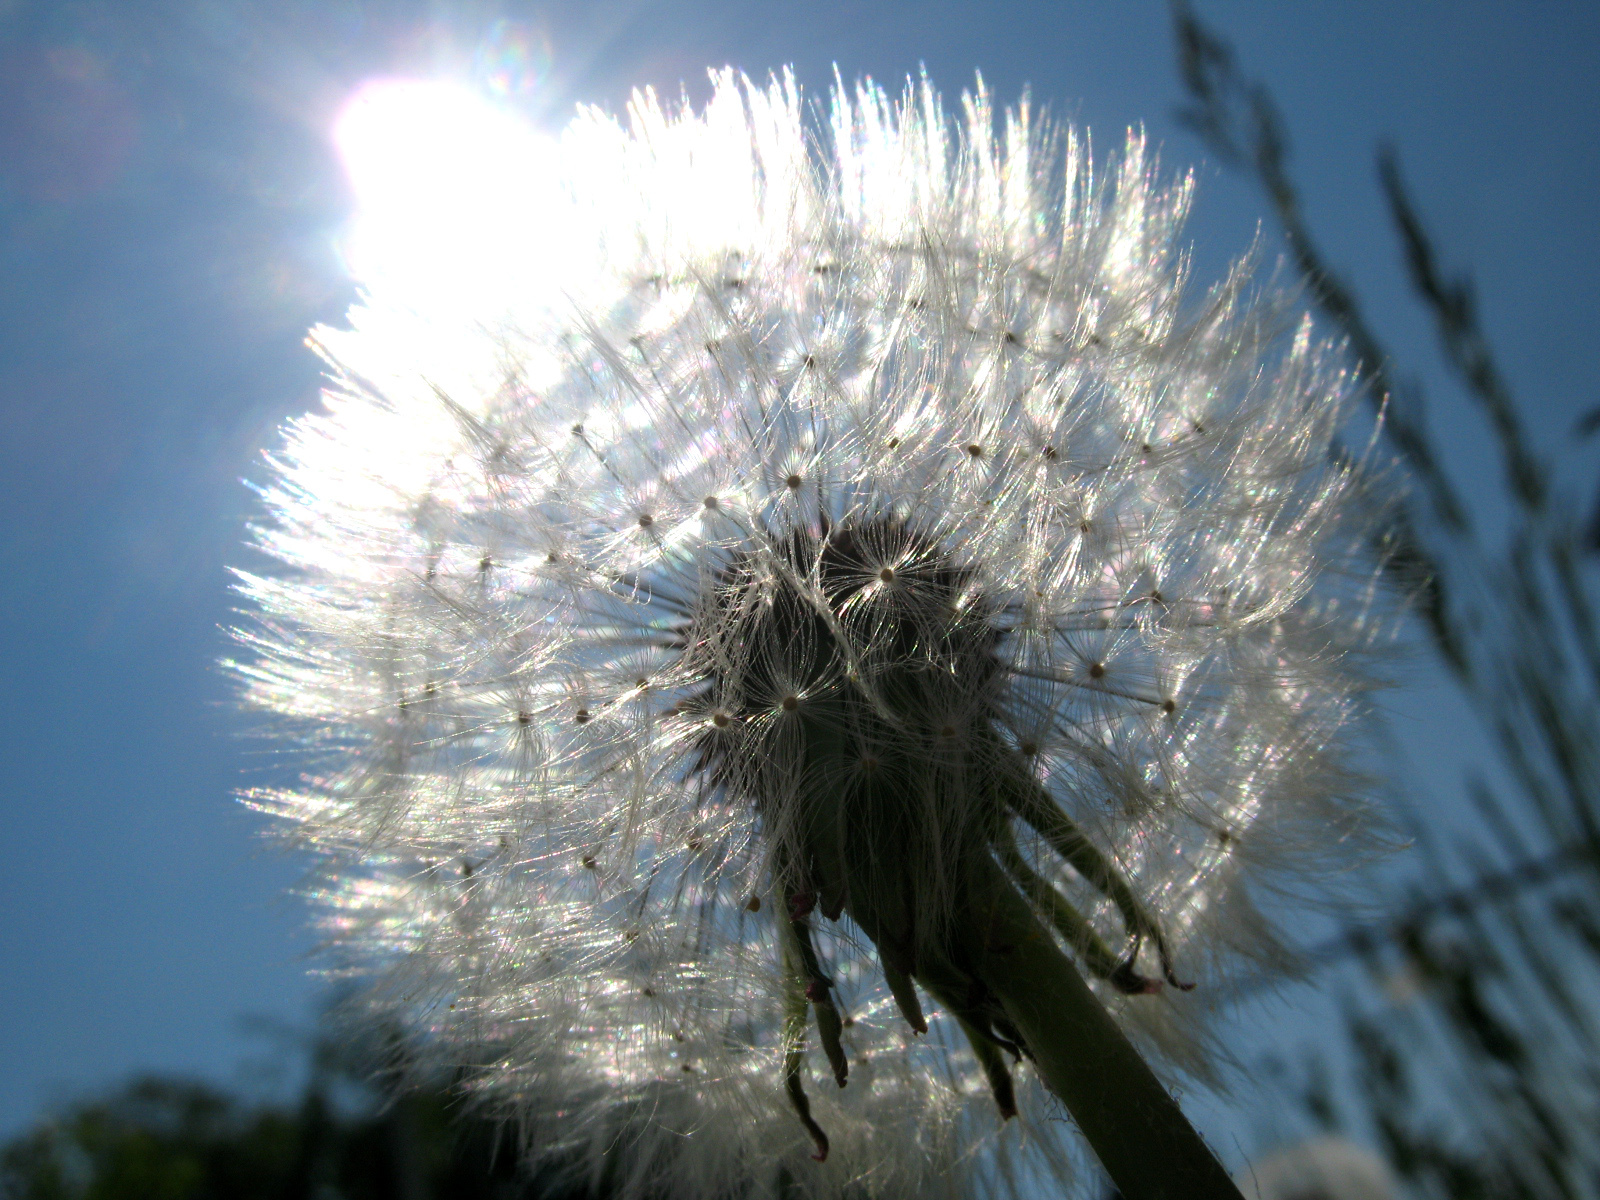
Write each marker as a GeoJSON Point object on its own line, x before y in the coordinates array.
{"type": "Point", "coordinates": [1135, 1127]}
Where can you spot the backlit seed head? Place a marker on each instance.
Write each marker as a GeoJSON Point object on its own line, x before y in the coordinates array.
{"type": "Point", "coordinates": [878, 676]}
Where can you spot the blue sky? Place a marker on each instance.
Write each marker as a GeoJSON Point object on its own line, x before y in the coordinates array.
{"type": "Point", "coordinates": [169, 211]}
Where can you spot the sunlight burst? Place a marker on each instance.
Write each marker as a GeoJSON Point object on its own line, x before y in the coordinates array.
{"type": "Point", "coordinates": [449, 189]}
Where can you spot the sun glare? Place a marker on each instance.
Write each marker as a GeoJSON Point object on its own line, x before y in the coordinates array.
{"type": "Point", "coordinates": [448, 188]}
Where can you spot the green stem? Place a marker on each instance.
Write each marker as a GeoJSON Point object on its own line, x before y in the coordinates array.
{"type": "Point", "coordinates": [1135, 1127]}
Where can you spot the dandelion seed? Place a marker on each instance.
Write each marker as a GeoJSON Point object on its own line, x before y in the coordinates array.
{"type": "Point", "coordinates": [845, 669]}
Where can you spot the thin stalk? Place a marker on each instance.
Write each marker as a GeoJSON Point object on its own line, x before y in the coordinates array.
{"type": "Point", "coordinates": [1133, 1124]}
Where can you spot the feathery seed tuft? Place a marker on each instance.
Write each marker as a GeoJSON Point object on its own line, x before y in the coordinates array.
{"type": "Point", "coordinates": [913, 417]}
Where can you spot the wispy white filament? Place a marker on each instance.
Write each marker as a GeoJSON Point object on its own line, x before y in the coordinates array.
{"type": "Point", "coordinates": [495, 628]}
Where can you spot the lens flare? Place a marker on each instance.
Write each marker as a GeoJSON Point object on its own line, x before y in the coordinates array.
{"type": "Point", "coordinates": [514, 59]}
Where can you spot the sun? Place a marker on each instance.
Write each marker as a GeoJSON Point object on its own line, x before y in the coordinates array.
{"type": "Point", "coordinates": [449, 187]}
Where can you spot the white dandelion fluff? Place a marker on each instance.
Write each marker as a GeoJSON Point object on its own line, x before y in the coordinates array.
{"type": "Point", "coordinates": [803, 572]}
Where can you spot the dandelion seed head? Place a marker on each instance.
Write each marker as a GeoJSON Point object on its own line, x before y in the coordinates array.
{"type": "Point", "coordinates": [700, 590]}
